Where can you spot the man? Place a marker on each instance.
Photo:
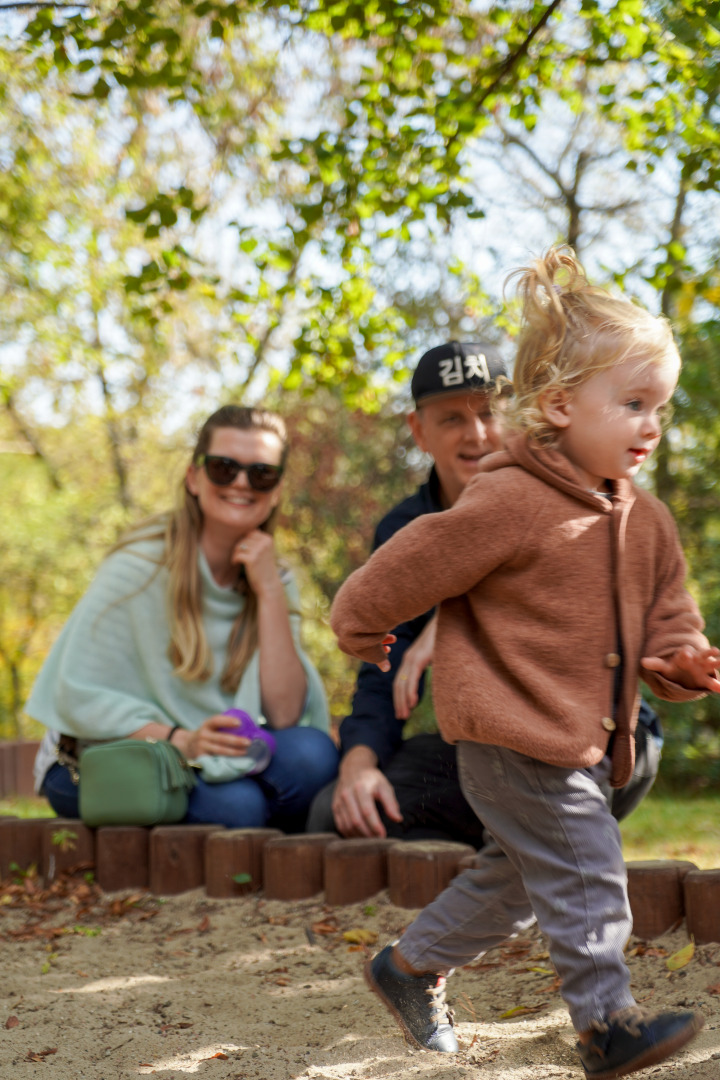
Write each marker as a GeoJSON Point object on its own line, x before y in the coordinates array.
{"type": "Point", "coordinates": [409, 789]}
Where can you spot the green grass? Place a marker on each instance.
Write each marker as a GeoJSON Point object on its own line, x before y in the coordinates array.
{"type": "Point", "coordinates": [663, 827]}
{"type": "Point", "coordinates": [675, 827]}
{"type": "Point", "coordinates": [26, 807]}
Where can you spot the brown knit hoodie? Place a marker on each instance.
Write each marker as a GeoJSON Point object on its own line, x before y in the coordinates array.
{"type": "Point", "coordinates": [542, 586]}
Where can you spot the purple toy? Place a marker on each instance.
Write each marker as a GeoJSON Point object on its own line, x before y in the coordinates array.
{"type": "Point", "coordinates": [262, 746]}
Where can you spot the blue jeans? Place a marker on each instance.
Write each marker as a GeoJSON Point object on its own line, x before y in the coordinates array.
{"type": "Point", "coordinates": [305, 761]}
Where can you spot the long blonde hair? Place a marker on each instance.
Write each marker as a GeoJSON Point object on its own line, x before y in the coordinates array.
{"type": "Point", "coordinates": [181, 529]}
{"type": "Point", "coordinates": [570, 331]}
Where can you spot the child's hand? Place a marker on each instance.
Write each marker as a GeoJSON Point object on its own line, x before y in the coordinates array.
{"type": "Point", "coordinates": [692, 668]}
{"type": "Point", "coordinates": [387, 641]}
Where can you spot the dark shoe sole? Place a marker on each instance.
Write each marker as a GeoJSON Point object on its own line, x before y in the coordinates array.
{"type": "Point", "coordinates": [654, 1054]}
{"type": "Point", "coordinates": [369, 979]}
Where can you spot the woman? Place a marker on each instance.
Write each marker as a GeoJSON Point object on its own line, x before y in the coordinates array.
{"type": "Point", "coordinates": [191, 615]}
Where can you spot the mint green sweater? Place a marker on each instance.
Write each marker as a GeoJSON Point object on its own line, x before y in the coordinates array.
{"type": "Point", "coordinates": [109, 672]}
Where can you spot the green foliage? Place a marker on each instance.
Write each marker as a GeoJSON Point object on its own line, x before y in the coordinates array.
{"type": "Point", "coordinates": [346, 469]}
{"type": "Point", "coordinates": [26, 807]}
{"type": "Point", "coordinates": [64, 839]}
{"type": "Point", "coordinates": [19, 873]}
{"type": "Point", "coordinates": [674, 826]}
{"type": "Point", "coordinates": [203, 201]}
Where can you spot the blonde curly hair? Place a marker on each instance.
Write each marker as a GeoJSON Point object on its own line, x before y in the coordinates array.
{"type": "Point", "coordinates": [571, 330]}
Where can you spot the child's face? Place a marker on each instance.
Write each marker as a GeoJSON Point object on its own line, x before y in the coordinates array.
{"type": "Point", "coordinates": [612, 423]}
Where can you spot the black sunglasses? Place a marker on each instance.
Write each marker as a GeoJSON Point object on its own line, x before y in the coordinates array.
{"type": "Point", "coordinates": [223, 470]}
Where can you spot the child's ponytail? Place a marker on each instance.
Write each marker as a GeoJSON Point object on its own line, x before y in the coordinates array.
{"type": "Point", "coordinates": [570, 330]}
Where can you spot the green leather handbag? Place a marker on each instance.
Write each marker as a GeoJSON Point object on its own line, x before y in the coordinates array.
{"type": "Point", "coordinates": [134, 782]}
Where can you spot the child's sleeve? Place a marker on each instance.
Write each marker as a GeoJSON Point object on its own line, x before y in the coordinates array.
{"type": "Point", "coordinates": [674, 619]}
{"type": "Point", "coordinates": [431, 559]}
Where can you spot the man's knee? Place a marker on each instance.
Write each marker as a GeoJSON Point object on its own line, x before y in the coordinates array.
{"type": "Point", "coordinates": [320, 817]}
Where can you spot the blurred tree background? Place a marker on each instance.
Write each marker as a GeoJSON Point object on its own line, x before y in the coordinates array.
{"type": "Point", "coordinates": [203, 201]}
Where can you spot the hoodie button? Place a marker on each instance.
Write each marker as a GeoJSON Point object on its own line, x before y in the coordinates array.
{"type": "Point", "coordinates": [612, 659]}
{"type": "Point", "coordinates": [608, 723]}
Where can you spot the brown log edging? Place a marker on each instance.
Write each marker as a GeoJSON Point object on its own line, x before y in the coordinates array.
{"type": "Point", "coordinates": [655, 892]}
{"type": "Point", "coordinates": [419, 870]}
{"type": "Point", "coordinates": [227, 863]}
{"type": "Point", "coordinates": [16, 767]}
{"type": "Point", "coordinates": [701, 889]}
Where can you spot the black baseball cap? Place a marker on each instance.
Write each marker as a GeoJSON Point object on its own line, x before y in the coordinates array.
{"type": "Point", "coordinates": [455, 368]}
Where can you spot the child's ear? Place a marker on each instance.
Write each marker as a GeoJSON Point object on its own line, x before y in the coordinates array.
{"type": "Point", "coordinates": [554, 405]}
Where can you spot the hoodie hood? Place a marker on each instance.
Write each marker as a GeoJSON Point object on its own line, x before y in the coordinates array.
{"type": "Point", "coordinates": [553, 468]}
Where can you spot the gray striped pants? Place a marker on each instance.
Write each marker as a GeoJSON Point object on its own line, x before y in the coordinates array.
{"type": "Point", "coordinates": [554, 853]}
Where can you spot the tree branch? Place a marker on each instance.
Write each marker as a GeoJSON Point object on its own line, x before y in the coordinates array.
{"type": "Point", "coordinates": [30, 439]}
{"type": "Point", "coordinates": [30, 4]}
{"type": "Point", "coordinates": [35, 7]}
{"type": "Point", "coordinates": [271, 326]}
{"type": "Point", "coordinates": [510, 61]}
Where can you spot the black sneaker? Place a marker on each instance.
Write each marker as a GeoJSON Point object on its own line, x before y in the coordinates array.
{"type": "Point", "coordinates": [633, 1038]}
{"type": "Point", "coordinates": [416, 1001]}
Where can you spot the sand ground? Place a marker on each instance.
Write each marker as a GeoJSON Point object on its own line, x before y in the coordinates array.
{"type": "Point", "coordinates": [115, 987]}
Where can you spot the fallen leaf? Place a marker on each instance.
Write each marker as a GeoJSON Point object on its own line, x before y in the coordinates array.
{"type": "Point", "coordinates": [359, 936]}
{"type": "Point", "coordinates": [542, 970]}
{"type": "Point", "coordinates": [326, 927]}
{"type": "Point", "coordinates": [519, 1009]}
{"type": "Point", "coordinates": [218, 1055]}
{"type": "Point", "coordinates": [681, 958]}
{"type": "Point", "coordinates": [714, 989]}
{"type": "Point", "coordinates": [11, 1022]}
{"type": "Point", "coordinates": [646, 950]}
{"type": "Point", "coordinates": [40, 1055]}
{"type": "Point", "coordinates": [204, 926]}
{"type": "Point", "coordinates": [278, 920]}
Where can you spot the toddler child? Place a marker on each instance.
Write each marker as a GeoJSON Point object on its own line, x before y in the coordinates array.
{"type": "Point", "coordinates": [559, 583]}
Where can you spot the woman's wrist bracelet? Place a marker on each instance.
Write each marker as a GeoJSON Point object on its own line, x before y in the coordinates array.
{"type": "Point", "coordinates": [172, 732]}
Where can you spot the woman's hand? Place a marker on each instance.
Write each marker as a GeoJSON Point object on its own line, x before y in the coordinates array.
{"type": "Point", "coordinates": [283, 685]}
{"type": "Point", "coordinates": [256, 552]}
{"type": "Point", "coordinates": [695, 669]}
{"type": "Point", "coordinates": [416, 659]}
{"type": "Point", "coordinates": [210, 739]}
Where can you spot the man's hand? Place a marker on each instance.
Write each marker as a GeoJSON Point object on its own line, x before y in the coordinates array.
{"type": "Point", "coordinates": [416, 658]}
{"type": "Point", "coordinates": [359, 787]}
{"type": "Point", "coordinates": [695, 669]}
